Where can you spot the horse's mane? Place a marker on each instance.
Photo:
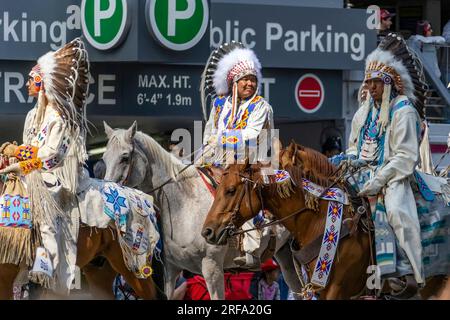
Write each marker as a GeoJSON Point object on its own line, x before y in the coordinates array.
{"type": "Point", "coordinates": [312, 165]}
{"type": "Point", "coordinates": [301, 162]}
{"type": "Point", "coordinates": [171, 164]}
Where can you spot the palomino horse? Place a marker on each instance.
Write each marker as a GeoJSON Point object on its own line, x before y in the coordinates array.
{"type": "Point", "coordinates": [138, 161]}
{"type": "Point", "coordinates": [242, 194]}
{"type": "Point", "coordinates": [92, 242]}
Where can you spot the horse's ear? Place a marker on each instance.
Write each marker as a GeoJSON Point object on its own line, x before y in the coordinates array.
{"type": "Point", "coordinates": [108, 130]}
{"type": "Point", "coordinates": [132, 130]}
{"type": "Point", "coordinates": [245, 165]}
{"type": "Point", "coordinates": [291, 148]}
{"type": "Point", "coordinates": [294, 155]}
{"type": "Point", "coordinates": [276, 147]}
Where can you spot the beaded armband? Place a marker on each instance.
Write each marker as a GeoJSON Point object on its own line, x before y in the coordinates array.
{"type": "Point", "coordinates": [26, 152]}
{"type": "Point", "coordinates": [29, 165]}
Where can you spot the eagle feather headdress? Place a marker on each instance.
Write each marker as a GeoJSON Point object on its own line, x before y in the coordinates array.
{"type": "Point", "coordinates": [396, 65]}
{"type": "Point", "coordinates": [65, 74]}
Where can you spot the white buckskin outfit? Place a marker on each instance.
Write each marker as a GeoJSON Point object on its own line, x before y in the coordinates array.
{"type": "Point", "coordinates": [61, 192]}
{"type": "Point", "coordinates": [388, 136]}
{"type": "Point", "coordinates": [237, 125]}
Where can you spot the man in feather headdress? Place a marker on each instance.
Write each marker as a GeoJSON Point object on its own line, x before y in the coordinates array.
{"type": "Point", "coordinates": [240, 117]}
{"type": "Point", "coordinates": [239, 124]}
{"type": "Point", "coordinates": [385, 136]}
{"type": "Point", "coordinates": [61, 192]}
{"type": "Point", "coordinates": [52, 156]}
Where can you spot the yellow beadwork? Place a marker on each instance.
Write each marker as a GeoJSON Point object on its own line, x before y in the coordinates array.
{"type": "Point", "coordinates": [26, 152]}
{"type": "Point", "coordinates": [146, 274]}
{"type": "Point", "coordinates": [29, 165]}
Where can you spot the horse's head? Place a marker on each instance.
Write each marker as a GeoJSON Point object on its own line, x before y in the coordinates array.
{"type": "Point", "coordinates": [124, 160]}
{"type": "Point", "coordinates": [237, 200]}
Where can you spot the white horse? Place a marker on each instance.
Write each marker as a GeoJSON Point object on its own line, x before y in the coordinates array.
{"type": "Point", "coordinates": [137, 160]}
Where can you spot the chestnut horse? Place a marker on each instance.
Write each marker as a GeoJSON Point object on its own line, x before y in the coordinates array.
{"type": "Point", "coordinates": [92, 242]}
{"type": "Point", "coordinates": [352, 259]}
{"type": "Point", "coordinates": [242, 194]}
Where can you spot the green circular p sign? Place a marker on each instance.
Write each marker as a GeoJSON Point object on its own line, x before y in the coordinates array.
{"type": "Point", "coordinates": [177, 24]}
{"type": "Point", "coordinates": [105, 22]}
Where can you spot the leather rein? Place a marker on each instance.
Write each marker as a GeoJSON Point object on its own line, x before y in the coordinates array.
{"type": "Point", "coordinates": [247, 180]}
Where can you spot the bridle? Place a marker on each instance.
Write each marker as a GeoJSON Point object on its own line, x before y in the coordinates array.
{"type": "Point", "coordinates": [130, 165]}
{"type": "Point", "coordinates": [231, 228]}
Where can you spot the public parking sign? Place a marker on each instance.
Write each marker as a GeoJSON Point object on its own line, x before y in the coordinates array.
{"type": "Point", "coordinates": [309, 93]}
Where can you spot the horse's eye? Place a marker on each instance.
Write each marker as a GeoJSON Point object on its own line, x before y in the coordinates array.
{"type": "Point", "coordinates": [125, 159]}
{"type": "Point", "coordinates": [231, 190]}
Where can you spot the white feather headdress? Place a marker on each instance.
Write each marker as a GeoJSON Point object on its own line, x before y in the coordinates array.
{"type": "Point", "coordinates": [227, 64]}
{"type": "Point", "coordinates": [234, 66]}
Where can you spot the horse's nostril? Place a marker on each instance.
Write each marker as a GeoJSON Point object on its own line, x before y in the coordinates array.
{"type": "Point", "coordinates": [207, 233]}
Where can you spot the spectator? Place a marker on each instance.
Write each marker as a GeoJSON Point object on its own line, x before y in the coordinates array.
{"type": "Point", "coordinates": [237, 287]}
{"type": "Point", "coordinates": [284, 288]}
{"type": "Point", "coordinates": [444, 57]}
{"type": "Point", "coordinates": [268, 287]}
{"type": "Point", "coordinates": [385, 24]}
{"type": "Point", "coordinates": [446, 32]}
{"type": "Point", "coordinates": [332, 146]}
{"type": "Point", "coordinates": [181, 285]}
{"type": "Point", "coordinates": [423, 28]}
{"type": "Point", "coordinates": [424, 42]}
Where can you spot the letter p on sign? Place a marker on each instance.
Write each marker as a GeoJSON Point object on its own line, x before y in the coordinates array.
{"type": "Point", "coordinates": [177, 24]}
{"type": "Point", "coordinates": [100, 14]}
{"type": "Point", "coordinates": [175, 15]}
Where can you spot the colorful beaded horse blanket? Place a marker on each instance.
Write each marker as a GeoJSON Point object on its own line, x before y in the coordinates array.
{"type": "Point", "coordinates": [133, 214]}
{"type": "Point", "coordinates": [17, 243]}
{"type": "Point", "coordinates": [434, 218]}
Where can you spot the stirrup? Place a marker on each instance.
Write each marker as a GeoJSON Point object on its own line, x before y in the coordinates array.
{"type": "Point", "coordinates": [405, 289]}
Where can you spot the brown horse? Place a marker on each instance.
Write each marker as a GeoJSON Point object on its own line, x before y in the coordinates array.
{"type": "Point", "coordinates": [92, 242]}
{"type": "Point", "coordinates": [242, 194]}
{"type": "Point", "coordinates": [349, 271]}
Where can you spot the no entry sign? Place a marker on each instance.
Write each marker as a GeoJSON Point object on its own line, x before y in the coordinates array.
{"type": "Point", "coordinates": [309, 93]}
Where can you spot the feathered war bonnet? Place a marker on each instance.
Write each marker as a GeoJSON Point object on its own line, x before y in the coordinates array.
{"type": "Point", "coordinates": [396, 65]}
{"type": "Point", "coordinates": [225, 66]}
{"type": "Point", "coordinates": [65, 82]}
